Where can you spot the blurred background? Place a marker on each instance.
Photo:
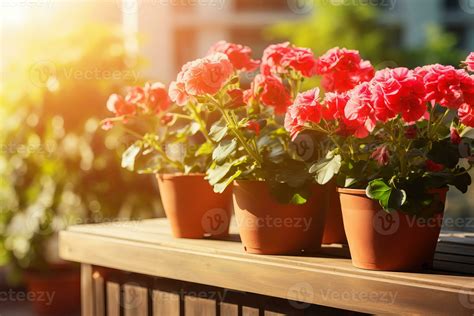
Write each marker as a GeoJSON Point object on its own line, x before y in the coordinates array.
{"type": "Point", "coordinates": [60, 60]}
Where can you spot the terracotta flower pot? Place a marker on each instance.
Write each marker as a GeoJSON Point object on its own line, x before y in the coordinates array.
{"type": "Point", "coordinates": [55, 293]}
{"type": "Point", "coordinates": [192, 207]}
{"type": "Point", "coordinates": [334, 228]}
{"type": "Point", "coordinates": [388, 241]}
{"type": "Point", "coordinates": [267, 227]}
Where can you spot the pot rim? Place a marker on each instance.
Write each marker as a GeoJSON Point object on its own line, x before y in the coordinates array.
{"type": "Point", "coordinates": [170, 176]}
{"type": "Point", "coordinates": [362, 191]}
{"type": "Point", "coordinates": [238, 182]}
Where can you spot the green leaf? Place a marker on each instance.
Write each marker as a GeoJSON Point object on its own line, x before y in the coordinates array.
{"type": "Point", "coordinates": [204, 150]}
{"type": "Point", "coordinates": [223, 150]}
{"type": "Point", "coordinates": [298, 199]}
{"type": "Point", "coordinates": [129, 156]}
{"type": "Point", "coordinates": [218, 131]}
{"type": "Point", "coordinates": [397, 199]}
{"type": "Point", "coordinates": [326, 169]}
{"type": "Point", "coordinates": [220, 187]}
{"type": "Point", "coordinates": [388, 197]}
{"type": "Point", "coordinates": [215, 174]}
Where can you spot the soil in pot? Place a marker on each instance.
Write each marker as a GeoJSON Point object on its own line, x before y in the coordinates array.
{"type": "Point", "coordinates": [57, 292]}
{"type": "Point", "coordinates": [268, 227]}
{"type": "Point", "coordinates": [392, 241]}
{"type": "Point", "coordinates": [334, 227]}
{"type": "Point", "coordinates": [193, 209]}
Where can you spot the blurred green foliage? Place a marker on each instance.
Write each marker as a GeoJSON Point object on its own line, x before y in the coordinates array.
{"type": "Point", "coordinates": [354, 26]}
{"type": "Point", "coordinates": [56, 166]}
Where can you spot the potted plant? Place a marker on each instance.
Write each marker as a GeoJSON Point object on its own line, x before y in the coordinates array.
{"type": "Point", "coordinates": [278, 208]}
{"type": "Point", "coordinates": [173, 143]}
{"type": "Point", "coordinates": [397, 144]}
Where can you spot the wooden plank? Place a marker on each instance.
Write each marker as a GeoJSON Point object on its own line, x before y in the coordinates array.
{"type": "Point", "coordinates": [228, 309]}
{"type": "Point", "coordinates": [330, 280]}
{"type": "Point", "coordinates": [99, 293]}
{"type": "Point", "coordinates": [87, 293]}
{"type": "Point", "coordinates": [165, 303]}
{"type": "Point", "coordinates": [113, 299]}
{"type": "Point", "coordinates": [135, 300]}
{"type": "Point", "coordinates": [195, 306]}
{"type": "Point", "coordinates": [249, 311]}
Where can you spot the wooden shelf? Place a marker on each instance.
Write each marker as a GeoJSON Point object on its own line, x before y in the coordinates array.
{"type": "Point", "coordinates": [147, 247]}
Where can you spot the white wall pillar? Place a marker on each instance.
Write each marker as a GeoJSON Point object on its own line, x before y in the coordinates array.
{"type": "Point", "coordinates": [417, 15]}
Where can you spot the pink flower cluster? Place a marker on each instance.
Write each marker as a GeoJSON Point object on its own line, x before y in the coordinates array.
{"type": "Point", "coordinates": [470, 62]}
{"type": "Point", "coordinates": [280, 58]}
{"type": "Point", "coordinates": [343, 69]}
{"type": "Point", "coordinates": [151, 98]}
{"type": "Point", "coordinates": [200, 77]}
{"type": "Point", "coordinates": [391, 93]}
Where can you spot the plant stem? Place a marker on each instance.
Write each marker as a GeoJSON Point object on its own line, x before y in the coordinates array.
{"type": "Point", "coordinates": [235, 130]}
{"type": "Point", "coordinates": [198, 119]}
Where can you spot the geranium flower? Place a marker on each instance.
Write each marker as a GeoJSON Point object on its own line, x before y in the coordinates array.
{"type": "Point", "coordinates": [301, 60]}
{"type": "Point", "coordinates": [278, 58]}
{"type": "Point", "coordinates": [239, 55]}
{"type": "Point", "coordinates": [119, 106]}
{"type": "Point", "coordinates": [444, 85]}
{"type": "Point", "coordinates": [398, 91]}
{"type": "Point", "coordinates": [433, 166]}
{"type": "Point", "coordinates": [207, 75]}
{"type": "Point", "coordinates": [334, 105]}
{"type": "Point", "coordinates": [470, 62]}
{"type": "Point", "coordinates": [236, 98]}
{"type": "Point", "coordinates": [466, 114]}
{"type": "Point", "coordinates": [342, 69]}
{"type": "Point", "coordinates": [253, 126]}
{"type": "Point", "coordinates": [305, 109]}
{"type": "Point", "coordinates": [177, 93]}
{"type": "Point", "coordinates": [382, 155]}
{"type": "Point", "coordinates": [156, 96]}
{"type": "Point", "coordinates": [271, 92]}
{"type": "Point", "coordinates": [454, 136]}
{"type": "Point", "coordinates": [360, 110]}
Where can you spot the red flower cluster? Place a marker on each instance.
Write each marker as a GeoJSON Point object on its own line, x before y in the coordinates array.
{"type": "Point", "coordinates": [200, 77]}
{"type": "Point", "coordinates": [445, 84]}
{"type": "Point", "coordinates": [470, 62]}
{"type": "Point", "coordinates": [239, 55]}
{"type": "Point", "coordinates": [342, 69]}
{"type": "Point", "coordinates": [398, 92]}
{"type": "Point", "coordinates": [279, 58]}
{"type": "Point", "coordinates": [391, 93]}
{"type": "Point", "coordinates": [153, 97]}
{"type": "Point", "coordinates": [305, 109]}
{"type": "Point", "coordinates": [450, 87]}
{"type": "Point", "coordinates": [269, 90]}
